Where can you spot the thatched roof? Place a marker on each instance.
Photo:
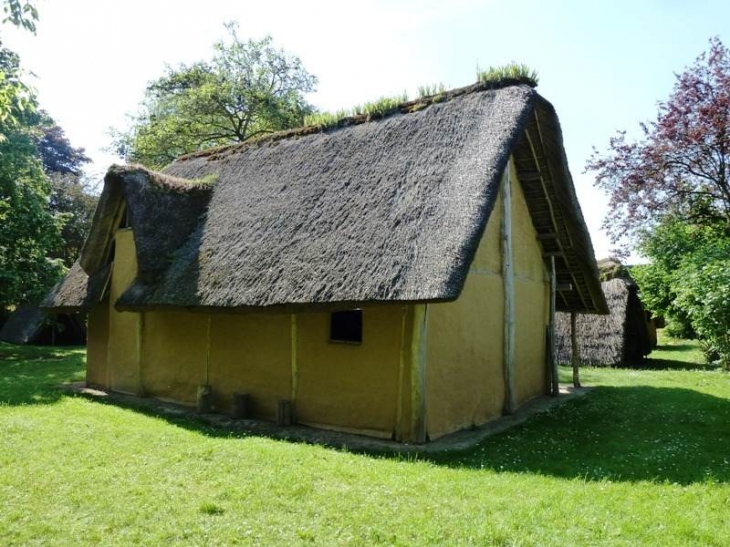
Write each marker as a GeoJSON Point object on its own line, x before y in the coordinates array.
{"type": "Point", "coordinates": [391, 210]}
{"type": "Point", "coordinates": [77, 291]}
{"type": "Point", "coordinates": [621, 338]}
{"type": "Point", "coordinates": [29, 324]}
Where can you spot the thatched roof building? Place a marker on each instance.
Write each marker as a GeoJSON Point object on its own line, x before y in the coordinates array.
{"type": "Point", "coordinates": [372, 232]}
{"type": "Point", "coordinates": [622, 338]}
{"type": "Point", "coordinates": [387, 211]}
{"type": "Point", "coordinates": [30, 325]}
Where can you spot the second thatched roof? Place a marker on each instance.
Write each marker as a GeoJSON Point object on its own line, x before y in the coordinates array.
{"type": "Point", "coordinates": [621, 338]}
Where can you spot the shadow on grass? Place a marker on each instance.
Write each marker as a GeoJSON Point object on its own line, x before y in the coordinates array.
{"type": "Point", "coordinates": [673, 364]}
{"type": "Point", "coordinates": [31, 374]}
{"type": "Point", "coordinates": [636, 433]}
{"type": "Point", "coordinates": [622, 434]}
{"type": "Point", "coordinates": [677, 347]}
{"type": "Point", "coordinates": [615, 433]}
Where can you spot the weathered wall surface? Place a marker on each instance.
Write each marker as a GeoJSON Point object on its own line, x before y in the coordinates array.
{"type": "Point", "coordinates": [532, 301]}
{"type": "Point", "coordinates": [466, 337]}
{"type": "Point", "coordinates": [465, 378]}
{"type": "Point", "coordinates": [350, 386]}
{"type": "Point", "coordinates": [124, 328]}
{"type": "Point", "coordinates": [251, 353]}
{"type": "Point", "coordinates": [97, 345]}
{"type": "Point", "coordinates": [173, 354]}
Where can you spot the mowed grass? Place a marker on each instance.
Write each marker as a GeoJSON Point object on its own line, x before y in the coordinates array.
{"type": "Point", "coordinates": [643, 459]}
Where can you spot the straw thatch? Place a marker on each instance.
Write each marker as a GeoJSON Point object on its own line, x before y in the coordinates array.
{"type": "Point", "coordinates": [386, 211]}
{"type": "Point", "coordinates": [30, 325]}
{"type": "Point", "coordinates": [77, 291]}
{"type": "Point", "coordinates": [622, 338]}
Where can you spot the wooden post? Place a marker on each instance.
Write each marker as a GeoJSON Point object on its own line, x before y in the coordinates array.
{"type": "Point", "coordinates": [294, 362]}
{"type": "Point", "coordinates": [574, 350]}
{"type": "Point", "coordinates": [418, 373]}
{"type": "Point", "coordinates": [207, 352]}
{"type": "Point", "coordinates": [140, 352]}
{"type": "Point", "coordinates": [398, 431]}
{"type": "Point", "coordinates": [508, 348]}
{"type": "Point", "coordinates": [554, 362]}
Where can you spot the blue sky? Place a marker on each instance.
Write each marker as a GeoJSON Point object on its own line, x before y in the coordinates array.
{"type": "Point", "coordinates": [604, 65]}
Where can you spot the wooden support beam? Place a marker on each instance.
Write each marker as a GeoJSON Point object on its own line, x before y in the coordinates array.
{"type": "Point", "coordinates": [140, 352]}
{"type": "Point", "coordinates": [554, 368]}
{"type": "Point", "coordinates": [294, 362]}
{"type": "Point", "coordinates": [553, 213]}
{"type": "Point", "coordinates": [509, 295]}
{"type": "Point", "coordinates": [418, 373]}
{"type": "Point", "coordinates": [207, 350]}
{"type": "Point", "coordinates": [398, 432]}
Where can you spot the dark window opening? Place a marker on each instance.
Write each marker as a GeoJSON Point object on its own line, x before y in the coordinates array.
{"type": "Point", "coordinates": [346, 326]}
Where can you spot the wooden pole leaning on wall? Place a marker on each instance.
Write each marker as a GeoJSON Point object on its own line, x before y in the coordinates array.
{"type": "Point", "coordinates": [555, 385]}
{"type": "Point", "coordinates": [574, 350]}
{"type": "Point", "coordinates": [508, 278]}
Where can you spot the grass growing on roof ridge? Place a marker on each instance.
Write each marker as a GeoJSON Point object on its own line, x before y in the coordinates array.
{"type": "Point", "coordinates": [642, 460]}
{"type": "Point", "coordinates": [493, 78]}
{"type": "Point", "coordinates": [508, 74]}
{"type": "Point", "coordinates": [317, 122]}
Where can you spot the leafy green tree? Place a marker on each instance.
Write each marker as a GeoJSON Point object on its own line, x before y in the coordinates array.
{"type": "Point", "coordinates": [16, 98]}
{"type": "Point", "coordinates": [684, 281]}
{"type": "Point", "coordinates": [73, 203]}
{"type": "Point", "coordinates": [20, 14]}
{"type": "Point", "coordinates": [705, 298]}
{"type": "Point", "coordinates": [247, 89]}
{"type": "Point", "coordinates": [14, 94]}
{"type": "Point", "coordinates": [71, 200]}
{"type": "Point", "coordinates": [30, 231]}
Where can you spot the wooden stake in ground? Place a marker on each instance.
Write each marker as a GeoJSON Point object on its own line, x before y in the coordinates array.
{"type": "Point", "coordinates": [575, 352]}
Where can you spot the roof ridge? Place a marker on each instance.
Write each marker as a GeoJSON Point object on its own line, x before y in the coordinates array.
{"type": "Point", "coordinates": [406, 107]}
{"type": "Point", "coordinates": [163, 180]}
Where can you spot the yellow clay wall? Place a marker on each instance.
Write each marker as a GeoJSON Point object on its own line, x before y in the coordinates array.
{"type": "Point", "coordinates": [251, 353]}
{"type": "Point", "coordinates": [174, 353]}
{"type": "Point", "coordinates": [348, 386]}
{"type": "Point", "coordinates": [465, 371]}
{"type": "Point", "coordinates": [465, 384]}
{"type": "Point", "coordinates": [124, 327]}
{"type": "Point", "coordinates": [97, 345]}
{"type": "Point", "coordinates": [532, 301]}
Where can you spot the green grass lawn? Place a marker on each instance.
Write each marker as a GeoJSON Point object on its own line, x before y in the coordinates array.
{"type": "Point", "coordinates": [644, 458]}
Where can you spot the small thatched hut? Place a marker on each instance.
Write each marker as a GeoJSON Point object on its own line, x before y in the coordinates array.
{"type": "Point", "coordinates": [622, 338]}
{"type": "Point", "coordinates": [30, 325]}
{"type": "Point", "coordinates": [388, 276]}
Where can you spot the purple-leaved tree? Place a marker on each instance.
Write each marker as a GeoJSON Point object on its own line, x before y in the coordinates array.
{"type": "Point", "coordinates": [680, 166]}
